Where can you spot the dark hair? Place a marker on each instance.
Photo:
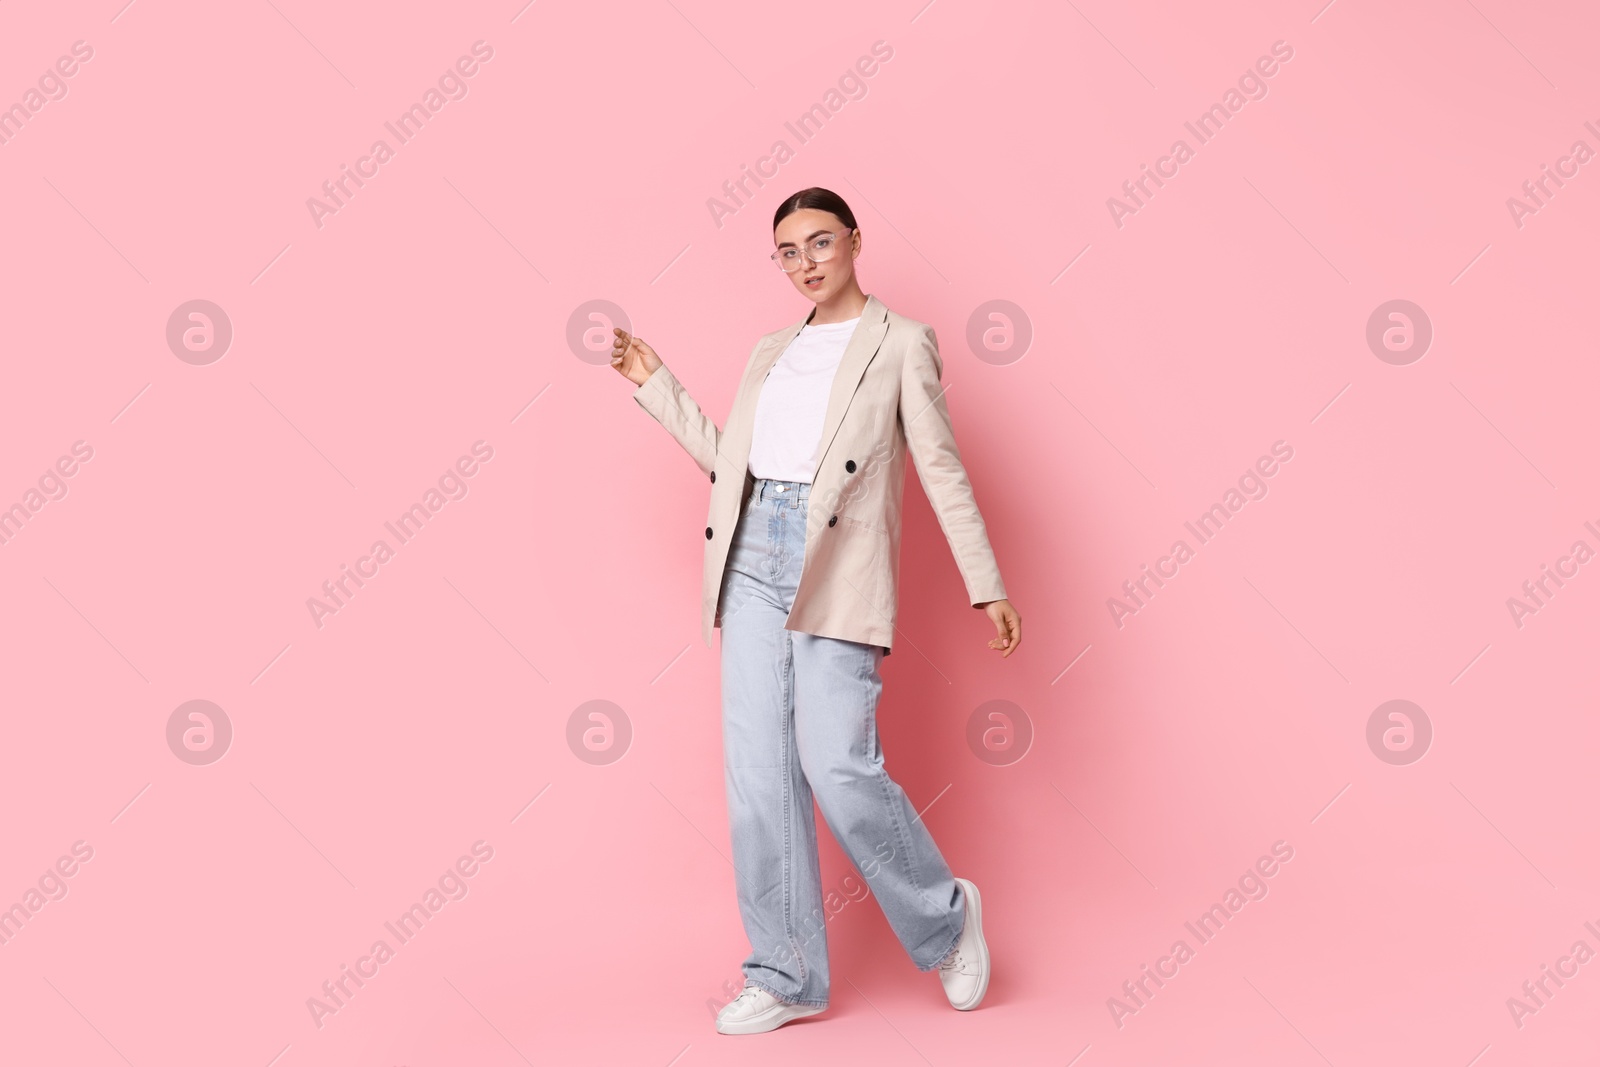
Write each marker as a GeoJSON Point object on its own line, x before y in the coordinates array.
{"type": "Point", "coordinates": [821, 200]}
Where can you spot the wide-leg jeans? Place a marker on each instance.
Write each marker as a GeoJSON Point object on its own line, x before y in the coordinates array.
{"type": "Point", "coordinates": [799, 720]}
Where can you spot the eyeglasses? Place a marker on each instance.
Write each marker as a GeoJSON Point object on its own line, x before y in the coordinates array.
{"type": "Point", "coordinates": [819, 249]}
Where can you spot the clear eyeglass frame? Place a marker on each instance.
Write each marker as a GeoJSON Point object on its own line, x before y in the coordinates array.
{"type": "Point", "coordinates": [820, 249]}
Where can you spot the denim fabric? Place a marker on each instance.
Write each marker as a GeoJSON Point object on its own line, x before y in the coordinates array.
{"type": "Point", "coordinates": [799, 719]}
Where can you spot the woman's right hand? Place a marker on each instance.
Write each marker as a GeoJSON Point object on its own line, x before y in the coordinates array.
{"type": "Point", "coordinates": [631, 357]}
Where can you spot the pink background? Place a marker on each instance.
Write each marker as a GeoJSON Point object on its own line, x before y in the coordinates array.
{"type": "Point", "coordinates": [431, 312]}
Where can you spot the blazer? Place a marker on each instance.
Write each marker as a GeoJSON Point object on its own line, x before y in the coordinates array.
{"type": "Point", "coordinates": [886, 401]}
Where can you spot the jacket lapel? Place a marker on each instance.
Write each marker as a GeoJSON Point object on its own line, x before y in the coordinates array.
{"type": "Point", "coordinates": [864, 344]}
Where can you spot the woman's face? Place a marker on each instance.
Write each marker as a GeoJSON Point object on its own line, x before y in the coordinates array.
{"type": "Point", "coordinates": [831, 276]}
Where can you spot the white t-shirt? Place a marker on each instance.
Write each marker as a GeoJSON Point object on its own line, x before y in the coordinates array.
{"type": "Point", "coordinates": [793, 402]}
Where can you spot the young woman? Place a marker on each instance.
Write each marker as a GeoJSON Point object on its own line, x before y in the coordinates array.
{"type": "Point", "coordinates": [801, 573]}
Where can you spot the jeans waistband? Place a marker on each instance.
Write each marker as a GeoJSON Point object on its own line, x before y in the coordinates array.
{"type": "Point", "coordinates": [769, 488]}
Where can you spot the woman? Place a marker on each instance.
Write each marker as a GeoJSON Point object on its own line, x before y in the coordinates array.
{"type": "Point", "coordinates": [802, 572]}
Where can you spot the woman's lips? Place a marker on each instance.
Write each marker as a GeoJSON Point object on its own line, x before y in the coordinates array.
{"type": "Point", "coordinates": [814, 283]}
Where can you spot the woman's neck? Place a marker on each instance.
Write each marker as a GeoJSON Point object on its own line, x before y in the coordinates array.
{"type": "Point", "coordinates": [841, 308]}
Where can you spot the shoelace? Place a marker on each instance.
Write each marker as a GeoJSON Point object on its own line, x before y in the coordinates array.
{"type": "Point", "coordinates": [747, 991]}
{"type": "Point", "coordinates": [956, 964]}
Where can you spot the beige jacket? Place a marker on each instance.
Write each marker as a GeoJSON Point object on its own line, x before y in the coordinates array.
{"type": "Point", "coordinates": [886, 400]}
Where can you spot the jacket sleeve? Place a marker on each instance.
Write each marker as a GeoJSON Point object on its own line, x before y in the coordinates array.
{"type": "Point", "coordinates": [670, 404]}
{"type": "Point", "coordinates": [926, 422]}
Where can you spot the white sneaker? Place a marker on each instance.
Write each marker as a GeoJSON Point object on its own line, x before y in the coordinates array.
{"type": "Point", "coordinates": [755, 1011]}
{"type": "Point", "coordinates": [965, 974]}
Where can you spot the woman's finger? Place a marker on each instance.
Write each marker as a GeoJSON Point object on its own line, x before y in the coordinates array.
{"type": "Point", "coordinates": [998, 642]}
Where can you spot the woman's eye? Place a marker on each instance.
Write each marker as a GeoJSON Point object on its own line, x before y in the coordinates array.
{"type": "Point", "coordinates": [820, 243]}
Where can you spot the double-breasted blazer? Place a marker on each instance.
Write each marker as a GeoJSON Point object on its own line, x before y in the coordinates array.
{"type": "Point", "coordinates": [886, 400]}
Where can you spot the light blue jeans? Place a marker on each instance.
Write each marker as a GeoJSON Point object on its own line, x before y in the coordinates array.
{"type": "Point", "coordinates": [799, 718]}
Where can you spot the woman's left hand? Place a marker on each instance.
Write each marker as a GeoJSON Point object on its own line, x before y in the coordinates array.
{"type": "Point", "coordinates": [1007, 623]}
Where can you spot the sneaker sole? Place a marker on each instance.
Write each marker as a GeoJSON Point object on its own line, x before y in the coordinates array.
{"type": "Point", "coordinates": [975, 916]}
{"type": "Point", "coordinates": [770, 1019]}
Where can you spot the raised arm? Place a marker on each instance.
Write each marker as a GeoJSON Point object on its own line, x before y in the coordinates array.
{"type": "Point", "coordinates": [670, 404]}
{"type": "Point", "coordinates": [661, 394]}
{"type": "Point", "coordinates": [931, 439]}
